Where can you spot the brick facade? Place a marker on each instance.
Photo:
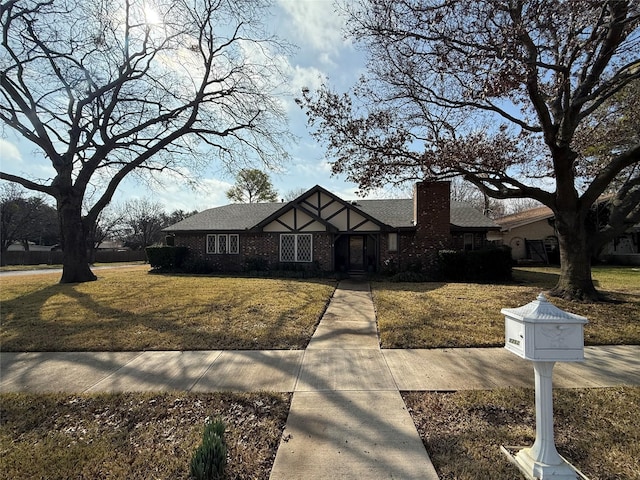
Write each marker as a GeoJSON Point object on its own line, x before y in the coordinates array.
{"type": "Point", "coordinates": [260, 246]}
{"type": "Point", "coordinates": [417, 245]}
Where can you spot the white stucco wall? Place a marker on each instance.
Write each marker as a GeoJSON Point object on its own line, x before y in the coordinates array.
{"type": "Point", "coordinates": [515, 238]}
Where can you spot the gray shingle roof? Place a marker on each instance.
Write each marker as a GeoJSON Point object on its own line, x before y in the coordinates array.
{"type": "Point", "coordinates": [236, 216]}
{"type": "Point", "coordinates": [397, 213]}
{"type": "Point", "coordinates": [465, 216]}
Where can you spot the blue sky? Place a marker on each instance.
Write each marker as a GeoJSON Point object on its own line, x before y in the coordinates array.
{"type": "Point", "coordinates": [322, 53]}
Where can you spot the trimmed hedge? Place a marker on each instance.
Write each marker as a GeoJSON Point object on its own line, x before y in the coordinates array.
{"type": "Point", "coordinates": [166, 257]}
{"type": "Point", "coordinates": [487, 265]}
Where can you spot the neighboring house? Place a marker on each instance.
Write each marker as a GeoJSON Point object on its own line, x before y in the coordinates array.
{"type": "Point", "coordinates": [320, 229]}
{"type": "Point", "coordinates": [19, 247]}
{"type": "Point", "coordinates": [625, 249]}
{"type": "Point", "coordinates": [532, 238]}
{"type": "Point", "coordinates": [530, 234]}
{"type": "Point", "coordinates": [112, 245]}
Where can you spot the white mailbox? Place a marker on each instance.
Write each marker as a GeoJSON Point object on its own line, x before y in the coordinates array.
{"type": "Point", "coordinates": [540, 331]}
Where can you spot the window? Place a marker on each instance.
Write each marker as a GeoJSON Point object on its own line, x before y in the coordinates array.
{"type": "Point", "coordinates": [234, 246]}
{"type": "Point", "coordinates": [393, 242]}
{"type": "Point", "coordinates": [468, 241]}
{"type": "Point", "coordinates": [221, 244]}
{"type": "Point", "coordinates": [296, 247]}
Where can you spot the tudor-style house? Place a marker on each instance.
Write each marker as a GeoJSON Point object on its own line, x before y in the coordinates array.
{"type": "Point", "coordinates": [318, 228]}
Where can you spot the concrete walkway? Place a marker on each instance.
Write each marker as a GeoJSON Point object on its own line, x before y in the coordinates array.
{"type": "Point", "coordinates": [347, 419]}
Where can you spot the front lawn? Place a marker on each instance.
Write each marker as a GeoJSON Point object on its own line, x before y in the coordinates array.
{"type": "Point", "coordinates": [595, 429]}
{"type": "Point", "coordinates": [438, 315]}
{"type": "Point", "coordinates": [128, 309]}
{"type": "Point", "coordinates": [135, 436]}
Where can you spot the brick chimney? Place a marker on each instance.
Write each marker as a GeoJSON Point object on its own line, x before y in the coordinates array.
{"type": "Point", "coordinates": [432, 213]}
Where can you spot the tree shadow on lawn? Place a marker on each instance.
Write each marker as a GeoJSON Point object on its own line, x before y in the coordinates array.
{"type": "Point", "coordinates": [97, 325]}
{"type": "Point", "coordinates": [247, 276]}
{"type": "Point", "coordinates": [402, 286]}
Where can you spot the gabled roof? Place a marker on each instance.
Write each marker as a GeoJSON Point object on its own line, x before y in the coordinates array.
{"type": "Point", "coordinates": [465, 216]}
{"type": "Point", "coordinates": [308, 201]}
{"type": "Point", "coordinates": [236, 216]}
{"type": "Point", "coordinates": [394, 213]}
{"type": "Point", "coordinates": [525, 217]}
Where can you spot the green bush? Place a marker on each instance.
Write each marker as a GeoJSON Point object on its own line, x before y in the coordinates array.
{"type": "Point", "coordinates": [452, 265]}
{"type": "Point", "coordinates": [210, 458]}
{"type": "Point", "coordinates": [198, 265]}
{"type": "Point", "coordinates": [408, 277]}
{"type": "Point", "coordinates": [487, 265]}
{"type": "Point", "coordinates": [256, 264]}
{"type": "Point", "coordinates": [166, 257]}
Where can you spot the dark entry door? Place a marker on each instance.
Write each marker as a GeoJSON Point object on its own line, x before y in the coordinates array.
{"type": "Point", "coordinates": [356, 252]}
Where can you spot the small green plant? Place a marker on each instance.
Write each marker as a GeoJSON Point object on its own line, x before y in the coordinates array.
{"type": "Point", "coordinates": [210, 458]}
{"type": "Point", "coordinates": [166, 258]}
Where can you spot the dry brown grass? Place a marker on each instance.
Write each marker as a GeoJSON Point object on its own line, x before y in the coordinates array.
{"type": "Point", "coordinates": [595, 429]}
{"type": "Point", "coordinates": [130, 309]}
{"type": "Point", "coordinates": [135, 436]}
{"type": "Point", "coordinates": [437, 315]}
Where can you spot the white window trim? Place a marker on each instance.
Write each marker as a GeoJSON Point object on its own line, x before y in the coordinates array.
{"type": "Point", "coordinates": [296, 237]}
{"type": "Point", "coordinates": [216, 243]}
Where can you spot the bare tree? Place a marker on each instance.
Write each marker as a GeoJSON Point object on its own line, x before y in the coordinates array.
{"type": "Point", "coordinates": [467, 192]}
{"type": "Point", "coordinates": [143, 221]}
{"type": "Point", "coordinates": [494, 91]}
{"type": "Point", "coordinates": [294, 193]}
{"type": "Point", "coordinates": [24, 219]}
{"type": "Point", "coordinates": [517, 205]}
{"type": "Point", "coordinates": [108, 225]}
{"type": "Point", "coordinates": [106, 88]}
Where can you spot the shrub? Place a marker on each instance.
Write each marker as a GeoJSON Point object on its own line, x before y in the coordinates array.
{"type": "Point", "coordinates": [491, 264]}
{"type": "Point", "coordinates": [452, 265]}
{"type": "Point", "coordinates": [415, 267]}
{"type": "Point", "coordinates": [166, 257]}
{"type": "Point", "coordinates": [210, 458]}
{"type": "Point", "coordinates": [256, 264]}
{"type": "Point", "coordinates": [408, 277]}
{"type": "Point", "coordinates": [298, 270]}
{"type": "Point", "coordinates": [197, 265]}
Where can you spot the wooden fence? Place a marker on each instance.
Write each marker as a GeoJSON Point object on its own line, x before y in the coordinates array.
{"type": "Point", "coordinates": [55, 257]}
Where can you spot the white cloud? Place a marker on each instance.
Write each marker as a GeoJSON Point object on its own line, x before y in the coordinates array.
{"type": "Point", "coordinates": [310, 77]}
{"type": "Point", "coordinates": [9, 152]}
{"type": "Point", "coordinates": [178, 195]}
{"type": "Point", "coordinates": [174, 192]}
{"type": "Point", "coordinates": [318, 25]}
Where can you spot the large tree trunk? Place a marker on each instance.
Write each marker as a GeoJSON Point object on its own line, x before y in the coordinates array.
{"type": "Point", "coordinates": [75, 259]}
{"type": "Point", "coordinates": [575, 282]}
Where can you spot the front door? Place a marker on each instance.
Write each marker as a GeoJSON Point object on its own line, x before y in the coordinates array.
{"type": "Point", "coordinates": [356, 252]}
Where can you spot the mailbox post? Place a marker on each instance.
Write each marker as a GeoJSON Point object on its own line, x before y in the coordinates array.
{"type": "Point", "coordinates": [544, 334]}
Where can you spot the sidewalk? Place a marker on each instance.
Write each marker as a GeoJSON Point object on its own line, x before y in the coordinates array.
{"type": "Point", "coordinates": [278, 370]}
{"type": "Point", "coordinates": [347, 419]}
